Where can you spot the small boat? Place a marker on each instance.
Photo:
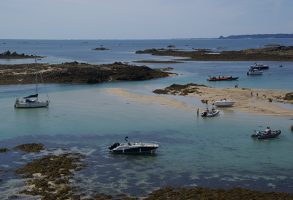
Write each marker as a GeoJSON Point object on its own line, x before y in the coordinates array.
{"type": "Point", "coordinates": [222, 78]}
{"type": "Point", "coordinates": [266, 134]}
{"type": "Point", "coordinates": [254, 72]}
{"type": "Point", "coordinates": [32, 101]}
{"type": "Point", "coordinates": [133, 148]}
{"type": "Point", "coordinates": [224, 103]}
{"type": "Point", "coordinates": [259, 67]}
{"type": "Point", "coordinates": [210, 113]}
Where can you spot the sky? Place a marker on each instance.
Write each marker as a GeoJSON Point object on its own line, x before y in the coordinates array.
{"type": "Point", "coordinates": [142, 19]}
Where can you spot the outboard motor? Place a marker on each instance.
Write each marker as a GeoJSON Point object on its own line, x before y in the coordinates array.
{"type": "Point", "coordinates": [114, 146]}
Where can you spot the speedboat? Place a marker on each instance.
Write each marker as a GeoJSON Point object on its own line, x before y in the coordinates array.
{"type": "Point", "coordinates": [210, 113]}
{"type": "Point", "coordinates": [266, 134]}
{"type": "Point", "coordinates": [30, 101]}
{"type": "Point", "coordinates": [224, 103]}
{"type": "Point", "coordinates": [259, 67]}
{"type": "Point", "coordinates": [254, 72]}
{"type": "Point", "coordinates": [133, 147]}
{"type": "Point", "coordinates": [222, 78]}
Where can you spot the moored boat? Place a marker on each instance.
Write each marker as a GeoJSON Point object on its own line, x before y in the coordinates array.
{"type": "Point", "coordinates": [222, 78]}
{"type": "Point", "coordinates": [224, 103]}
{"type": "Point", "coordinates": [266, 134]}
{"type": "Point", "coordinates": [133, 147]}
{"type": "Point", "coordinates": [31, 101]}
{"type": "Point", "coordinates": [254, 72]}
{"type": "Point", "coordinates": [257, 66]}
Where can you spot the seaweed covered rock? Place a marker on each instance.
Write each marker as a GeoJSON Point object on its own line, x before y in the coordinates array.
{"type": "Point", "coordinates": [289, 96]}
{"type": "Point", "coordinates": [177, 89]}
{"type": "Point", "coordinates": [29, 148]}
{"type": "Point", "coordinates": [48, 176]}
{"type": "Point", "coordinates": [215, 194]}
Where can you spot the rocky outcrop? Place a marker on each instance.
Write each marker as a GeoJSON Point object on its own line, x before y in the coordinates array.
{"type": "Point", "coordinates": [177, 89]}
{"type": "Point", "coordinates": [14, 55]}
{"type": "Point", "coordinates": [75, 72]}
{"type": "Point", "coordinates": [29, 148]}
{"type": "Point", "coordinates": [269, 53]}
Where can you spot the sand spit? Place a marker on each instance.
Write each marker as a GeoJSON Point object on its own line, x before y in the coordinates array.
{"type": "Point", "coordinates": [256, 101]}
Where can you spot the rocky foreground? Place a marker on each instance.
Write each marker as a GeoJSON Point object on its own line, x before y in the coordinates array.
{"type": "Point", "coordinates": [269, 53]}
{"type": "Point", "coordinates": [75, 72]}
{"type": "Point", "coordinates": [49, 177]}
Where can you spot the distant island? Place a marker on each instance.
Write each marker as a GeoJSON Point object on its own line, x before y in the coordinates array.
{"type": "Point", "coordinates": [75, 72]}
{"type": "Point", "coordinates": [14, 55]}
{"type": "Point", "coordinates": [267, 53]}
{"type": "Point", "coordinates": [258, 36]}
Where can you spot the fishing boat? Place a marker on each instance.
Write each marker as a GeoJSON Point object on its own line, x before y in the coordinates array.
{"type": "Point", "coordinates": [222, 78]}
{"type": "Point", "coordinates": [254, 72]}
{"type": "Point", "coordinates": [133, 147]}
{"type": "Point", "coordinates": [32, 101]}
{"type": "Point", "coordinates": [224, 103]}
{"type": "Point", "coordinates": [210, 113]}
{"type": "Point", "coordinates": [257, 66]}
{"type": "Point", "coordinates": [266, 134]}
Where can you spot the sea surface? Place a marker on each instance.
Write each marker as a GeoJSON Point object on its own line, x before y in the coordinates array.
{"type": "Point", "coordinates": [216, 152]}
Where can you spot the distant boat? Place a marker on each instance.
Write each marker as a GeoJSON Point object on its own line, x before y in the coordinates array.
{"type": "Point", "coordinates": [224, 103]}
{"type": "Point", "coordinates": [31, 101]}
{"type": "Point", "coordinates": [133, 148]}
{"type": "Point", "coordinates": [259, 67]}
{"type": "Point", "coordinates": [222, 78]}
{"type": "Point", "coordinates": [254, 72]}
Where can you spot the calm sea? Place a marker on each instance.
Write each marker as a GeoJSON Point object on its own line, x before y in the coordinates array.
{"type": "Point", "coordinates": [193, 151]}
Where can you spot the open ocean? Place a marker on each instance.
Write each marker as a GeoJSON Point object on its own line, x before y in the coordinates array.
{"type": "Point", "coordinates": [216, 152]}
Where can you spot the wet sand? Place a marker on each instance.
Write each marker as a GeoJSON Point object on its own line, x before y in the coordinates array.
{"type": "Point", "coordinates": [257, 103]}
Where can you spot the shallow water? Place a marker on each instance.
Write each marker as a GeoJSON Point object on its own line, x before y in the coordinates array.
{"type": "Point", "coordinates": [215, 152]}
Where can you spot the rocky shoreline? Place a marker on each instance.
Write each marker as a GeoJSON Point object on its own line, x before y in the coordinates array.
{"type": "Point", "coordinates": [49, 177]}
{"type": "Point", "coordinates": [268, 53]}
{"type": "Point", "coordinates": [75, 72]}
{"type": "Point", "coordinates": [14, 55]}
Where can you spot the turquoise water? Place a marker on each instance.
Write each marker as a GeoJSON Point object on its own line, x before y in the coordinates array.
{"type": "Point", "coordinates": [215, 152]}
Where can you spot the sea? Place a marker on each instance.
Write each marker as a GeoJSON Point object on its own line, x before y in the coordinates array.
{"type": "Point", "coordinates": [216, 152]}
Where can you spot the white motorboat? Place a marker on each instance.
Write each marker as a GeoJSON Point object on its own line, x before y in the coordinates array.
{"type": "Point", "coordinates": [224, 103]}
{"type": "Point", "coordinates": [32, 101]}
{"type": "Point", "coordinates": [210, 113]}
{"type": "Point", "coordinates": [133, 148]}
{"type": "Point", "coordinates": [254, 72]}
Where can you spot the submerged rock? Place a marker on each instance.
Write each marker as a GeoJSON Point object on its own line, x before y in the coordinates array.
{"type": "Point", "coordinates": [3, 150]}
{"type": "Point", "coordinates": [48, 177]}
{"type": "Point", "coordinates": [214, 194]}
{"type": "Point", "coordinates": [29, 148]}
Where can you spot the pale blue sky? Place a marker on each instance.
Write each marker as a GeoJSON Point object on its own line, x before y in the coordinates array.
{"type": "Point", "coordinates": [142, 19]}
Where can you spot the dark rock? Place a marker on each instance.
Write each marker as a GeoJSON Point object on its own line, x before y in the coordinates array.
{"type": "Point", "coordinates": [15, 55]}
{"type": "Point", "coordinates": [3, 150]}
{"type": "Point", "coordinates": [177, 89]}
{"type": "Point", "coordinates": [289, 96]}
{"type": "Point", "coordinates": [33, 147]}
{"type": "Point", "coordinates": [75, 72]}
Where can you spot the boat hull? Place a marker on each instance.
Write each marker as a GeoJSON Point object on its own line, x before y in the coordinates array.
{"type": "Point", "coordinates": [224, 103]}
{"type": "Point", "coordinates": [39, 104]}
{"type": "Point", "coordinates": [260, 135]}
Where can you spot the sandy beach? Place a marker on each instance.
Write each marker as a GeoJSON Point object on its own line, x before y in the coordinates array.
{"type": "Point", "coordinates": [246, 100]}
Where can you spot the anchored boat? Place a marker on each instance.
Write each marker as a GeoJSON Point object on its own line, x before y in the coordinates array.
{"type": "Point", "coordinates": [133, 148]}
{"type": "Point", "coordinates": [222, 78]}
{"type": "Point", "coordinates": [210, 113]}
{"type": "Point", "coordinates": [32, 101]}
{"type": "Point", "coordinates": [266, 134]}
